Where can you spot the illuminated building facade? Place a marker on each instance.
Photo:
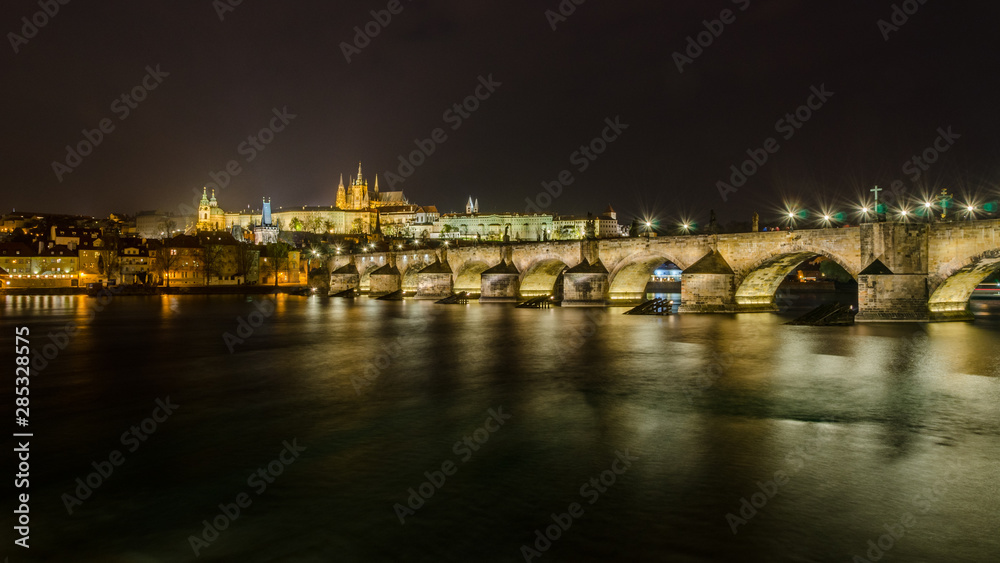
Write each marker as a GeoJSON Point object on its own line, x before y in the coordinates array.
{"type": "Point", "coordinates": [211, 217]}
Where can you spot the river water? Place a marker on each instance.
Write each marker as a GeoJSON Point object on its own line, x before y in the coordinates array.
{"type": "Point", "coordinates": [743, 439]}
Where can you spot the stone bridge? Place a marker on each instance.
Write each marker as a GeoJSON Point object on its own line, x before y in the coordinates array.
{"type": "Point", "coordinates": [905, 271]}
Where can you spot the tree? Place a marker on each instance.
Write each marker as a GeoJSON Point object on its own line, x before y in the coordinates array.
{"type": "Point", "coordinates": [211, 261]}
{"type": "Point", "coordinates": [167, 227]}
{"type": "Point", "coordinates": [328, 226]}
{"type": "Point", "coordinates": [108, 258]}
{"type": "Point", "coordinates": [247, 261]}
{"type": "Point", "coordinates": [357, 226]}
{"type": "Point", "coordinates": [276, 260]}
{"type": "Point", "coordinates": [296, 224]}
{"type": "Point", "coordinates": [832, 271]}
{"type": "Point", "coordinates": [166, 261]}
{"type": "Point", "coordinates": [315, 225]}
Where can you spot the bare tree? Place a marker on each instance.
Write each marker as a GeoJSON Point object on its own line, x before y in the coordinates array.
{"type": "Point", "coordinates": [109, 262]}
{"type": "Point", "coordinates": [246, 261]}
{"type": "Point", "coordinates": [167, 227]}
{"type": "Point", "coordinates": [166, 261]}
{"type": "Point", "coordinates": [276, 260]}
{"type": "Point", "coordinates": [211, 261]}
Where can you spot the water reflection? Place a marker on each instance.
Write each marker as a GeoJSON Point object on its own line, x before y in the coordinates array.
{"type": "Point", "coordinates": [862, 419]}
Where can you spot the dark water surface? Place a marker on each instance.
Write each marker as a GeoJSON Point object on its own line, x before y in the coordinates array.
{"type": "Point", "coordinates": [870, 425]}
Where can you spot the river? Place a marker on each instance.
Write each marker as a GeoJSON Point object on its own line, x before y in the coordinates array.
{"type": "Point", "coordinates": [718, 438]}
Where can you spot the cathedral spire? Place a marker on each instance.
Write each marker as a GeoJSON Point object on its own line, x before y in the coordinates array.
{"type": "Point", "coordinates": [341, 201]}
{"type": "Point", "coordinates": [359, 173]}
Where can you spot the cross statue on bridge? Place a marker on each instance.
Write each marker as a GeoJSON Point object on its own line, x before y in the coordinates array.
{"type": "Point", "coordinates": [876, 190]}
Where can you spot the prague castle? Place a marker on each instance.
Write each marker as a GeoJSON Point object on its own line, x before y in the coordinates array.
{"type": "Point", "coordinates": [354, 212]}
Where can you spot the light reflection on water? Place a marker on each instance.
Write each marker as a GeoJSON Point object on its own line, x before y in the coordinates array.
{"type": "Point", "coordinates": [863, 419]}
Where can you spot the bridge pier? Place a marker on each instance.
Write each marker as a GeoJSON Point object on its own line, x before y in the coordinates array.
{"type": "Point", "coordinates": [586, 285]}
{"type": "Point", "coordinates": [344, 278]}
{"type": "Point", "coordinates": [708, 286]}
{"type": "Point", "coordinates": [892, 298]}
{"type": "Point", "coordinates": [435, 281]}
{"type": "Point", "coordinates": [385, 280]}
{"type": "Point", "coordinates": [500, 284]}
{"type": "Point", "coordinates": [893, 286]}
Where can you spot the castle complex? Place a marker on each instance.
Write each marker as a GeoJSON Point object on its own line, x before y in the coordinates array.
{"type": "Point", "coordinates": [354, 212]}
{"type": "Point", "coordinates": [360, 211]}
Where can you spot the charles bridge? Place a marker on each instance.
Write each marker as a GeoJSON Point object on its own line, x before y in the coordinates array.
{"type": "Point", "coordinates": [905, 271]}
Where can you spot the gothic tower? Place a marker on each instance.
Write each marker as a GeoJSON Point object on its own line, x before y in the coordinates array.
{"type": "Point", "coordinates": [341, 195]}
{"type": "Point", "coordinates": [359, 192]}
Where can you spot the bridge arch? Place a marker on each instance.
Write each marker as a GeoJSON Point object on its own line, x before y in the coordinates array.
{"type": "Point", "coordinates": [541, 276]}
{"type": "Point", "coordinates": [758, 284]}
{"type": "Point", "coordinates": [409, 278]}
{"type": "Point", "coordinates": [366, 267]}
{"type": "Point", "coordinates": [468, 276]}
{"type": "Point", "coordinates": [955, 287]}
{"type": "Point", "coordinates": [629, 277]}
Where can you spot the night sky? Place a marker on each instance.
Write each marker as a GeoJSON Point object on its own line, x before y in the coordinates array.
{"type": "Point", "coordinates": [557, 87]}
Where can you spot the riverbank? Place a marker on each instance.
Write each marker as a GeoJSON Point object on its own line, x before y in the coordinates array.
{"type": "Point", "coordinates": [126, 290]}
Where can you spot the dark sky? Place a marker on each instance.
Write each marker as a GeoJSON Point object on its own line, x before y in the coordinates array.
{"type": "Point", "coordinates": [557, 87]}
